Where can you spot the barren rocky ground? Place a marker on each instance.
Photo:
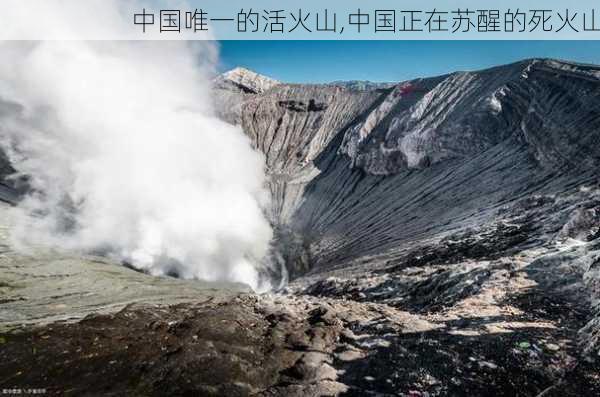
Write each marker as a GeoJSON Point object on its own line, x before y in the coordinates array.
{"type": "Point", "coordinates": [439, 237]}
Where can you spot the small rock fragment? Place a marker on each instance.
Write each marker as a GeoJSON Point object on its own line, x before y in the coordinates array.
{"type": "Point", "coordinates": [553, 347]}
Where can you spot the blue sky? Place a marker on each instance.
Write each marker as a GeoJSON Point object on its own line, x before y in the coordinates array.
{"type": "Point", "coordinates": [324, 61]}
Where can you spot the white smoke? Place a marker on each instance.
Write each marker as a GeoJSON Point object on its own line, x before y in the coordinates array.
{"type": "Point", "coordinates": [127, 157]}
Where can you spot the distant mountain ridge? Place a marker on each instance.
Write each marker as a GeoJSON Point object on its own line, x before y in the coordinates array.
{"type": "Point", "coordinates": [361, 85]}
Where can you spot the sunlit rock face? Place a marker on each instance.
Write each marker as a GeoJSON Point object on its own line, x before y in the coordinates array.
{"type": "Point", "coordinates": [246, 80]}
{"type": "Point", "coordinates": [548, 107]}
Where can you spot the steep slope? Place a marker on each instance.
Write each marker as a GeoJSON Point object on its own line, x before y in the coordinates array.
{"type": "Point", "coordinates": [472, 166]}
{"type": "Point", "coordinates": [356, 173]}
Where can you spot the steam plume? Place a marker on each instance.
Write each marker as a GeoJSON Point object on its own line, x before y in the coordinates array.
{"type": "Point", "coordinates": [126, 157]}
